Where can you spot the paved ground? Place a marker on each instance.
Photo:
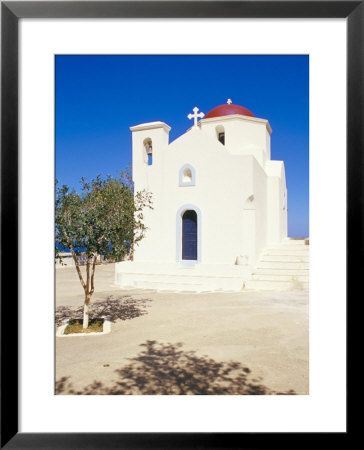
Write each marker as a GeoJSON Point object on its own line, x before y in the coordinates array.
{"type": "Point", "coordinates": [221, 335]}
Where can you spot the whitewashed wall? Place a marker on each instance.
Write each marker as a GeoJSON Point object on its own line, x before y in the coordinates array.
{"type": "Point", "coordinates": [238, 192]}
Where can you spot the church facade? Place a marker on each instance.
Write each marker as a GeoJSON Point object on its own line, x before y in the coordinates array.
{"type": "Point", "coordinates": [218, 201]}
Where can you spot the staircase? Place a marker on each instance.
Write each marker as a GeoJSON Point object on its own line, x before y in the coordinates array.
{"type": "Point", "coordinates": [282, 267]}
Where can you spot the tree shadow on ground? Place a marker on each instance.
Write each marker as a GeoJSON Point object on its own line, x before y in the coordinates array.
{"type": "Point", "coordinates": [120, 308]}
{"type": "Point", "coordinates": [165, 369]}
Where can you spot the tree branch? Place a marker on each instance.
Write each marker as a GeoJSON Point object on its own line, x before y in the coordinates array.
{"type": "Point", "coordinates": [87, 276]}
{"type": "Point", "coordinates": [78, 268]}
{"type": "Point", "coordinates": [93, 274]}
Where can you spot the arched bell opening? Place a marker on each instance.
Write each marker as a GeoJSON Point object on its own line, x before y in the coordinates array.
{"type": "Point", "coordinates": [148, 151]}
{"type": "Point", "coordinates": [220, 134]}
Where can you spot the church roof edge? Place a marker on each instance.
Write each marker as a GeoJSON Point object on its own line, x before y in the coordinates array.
{"type": "Point", "coordinates": [238, 116]}
{"type": "Point", "coordinates": [149, 126]}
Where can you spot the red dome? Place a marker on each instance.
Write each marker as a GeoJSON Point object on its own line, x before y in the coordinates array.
{"type": "Point", "coordinates": [228, 110]}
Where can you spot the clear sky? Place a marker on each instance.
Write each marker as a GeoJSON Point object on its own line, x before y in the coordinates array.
{"type": "Point", "coordinates": [99, 97]}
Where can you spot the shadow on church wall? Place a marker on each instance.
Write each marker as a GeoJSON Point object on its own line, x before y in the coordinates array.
{"type": "Point", "coordinates": [120, 308]}
{"type": "Point", "coordinates": [166, 369]}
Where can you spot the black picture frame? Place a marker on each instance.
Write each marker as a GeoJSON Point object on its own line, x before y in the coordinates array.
{"type": "Point", "coordinates": [11, 12]}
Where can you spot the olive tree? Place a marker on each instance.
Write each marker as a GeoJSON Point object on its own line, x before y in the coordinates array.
{"type": "Point", "coordinates": [104, 219]}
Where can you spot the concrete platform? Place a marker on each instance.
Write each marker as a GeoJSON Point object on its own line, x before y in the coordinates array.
{"type": "Point", "coordinates": [280, 267]}
{"type": "Point", "coordinates": [266, 332]}
{"type": "Point", "coordinates": [178, 277]}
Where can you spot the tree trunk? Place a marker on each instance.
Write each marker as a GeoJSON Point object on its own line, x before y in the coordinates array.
{"type": "Point", "coordinates": [86, 306]}
{"type": "Point", "coordinates": [86, 311]}
{"type": "Point", "coordinates": [131, 252]}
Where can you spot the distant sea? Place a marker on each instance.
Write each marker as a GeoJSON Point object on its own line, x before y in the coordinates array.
{"type": "Point", "coordinates": [67, 250]}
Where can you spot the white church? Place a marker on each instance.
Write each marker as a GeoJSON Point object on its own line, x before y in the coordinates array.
{"type": "Point", "coordinates": [219, 218]}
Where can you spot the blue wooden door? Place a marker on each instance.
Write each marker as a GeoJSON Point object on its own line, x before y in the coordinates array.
{"type": "Point", "coordinates": [189, 235]}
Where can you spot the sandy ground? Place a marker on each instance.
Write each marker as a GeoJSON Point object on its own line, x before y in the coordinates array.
{"type": "Point", "coordinates": [266, 332]}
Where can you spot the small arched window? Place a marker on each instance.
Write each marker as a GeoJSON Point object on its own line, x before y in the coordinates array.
{"type": "Point", "coordinates": [187, 176]}
{"type": "Point", "coordinates": [148, 151]}
{"type": "Point", "coordinates": [220, 134]}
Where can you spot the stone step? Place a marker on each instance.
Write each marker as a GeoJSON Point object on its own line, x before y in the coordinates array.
{"type": "Point", "coordinates": [287, 251]}
{"type": "Point", "coordinates": [282, 265]}
{"type": "Point", "coordinates": [274, 271]}
{"type": "Point", "coordinates": [291, 244]}
{"type": "Point", "coordinates": [284, 258]}
{"type": "Point", "coordinates": [275, 277]}
{"type": "Point", "coordinates": [276, 285]}
{"type": "Point", "coordinates": [291, 241]}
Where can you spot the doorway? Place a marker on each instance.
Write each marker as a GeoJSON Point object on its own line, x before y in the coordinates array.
{"type": "Point", "coordinates": [189, 235]}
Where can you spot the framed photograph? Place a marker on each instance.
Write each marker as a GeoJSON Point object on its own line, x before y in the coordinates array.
{"type": "Point", "coordinates": [71, 71]}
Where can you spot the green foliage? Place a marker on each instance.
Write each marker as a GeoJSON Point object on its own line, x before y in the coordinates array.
{"type": "Point", "coordinates": [106, 218]}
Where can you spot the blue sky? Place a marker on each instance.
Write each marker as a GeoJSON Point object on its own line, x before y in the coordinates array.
{"type": "Point", "coordinates": [98, 97]}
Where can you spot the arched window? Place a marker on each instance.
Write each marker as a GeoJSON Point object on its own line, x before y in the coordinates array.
{"type": "Point", "coordinates": [187, 175]}
{"type": "Point", "coordinates": [189, 235]}
{"type": "Point", "coordinates": [148, 151]}
{"type": "Point", "coordinates": [220, 134]}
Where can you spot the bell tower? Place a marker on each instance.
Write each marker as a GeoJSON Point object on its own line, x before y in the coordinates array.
{"type": "Point", "coordinates": [149, 140]}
